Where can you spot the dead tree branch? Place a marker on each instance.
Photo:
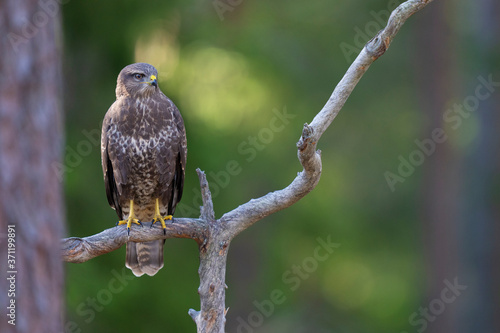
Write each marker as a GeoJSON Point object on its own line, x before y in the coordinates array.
{"type": "Point", "coordinates": [215, 235]}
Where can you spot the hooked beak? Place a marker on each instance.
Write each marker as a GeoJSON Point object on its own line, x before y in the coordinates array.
{"type": "Point", "coordinates": [153, 81]}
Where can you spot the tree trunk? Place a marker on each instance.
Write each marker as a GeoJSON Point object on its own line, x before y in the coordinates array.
{"type": "Point", "coordinates": [439, 192]}
{"type": "Point", "coordinates": [480, 212]}
{"type": "Point", "coordinates": [31, 205]}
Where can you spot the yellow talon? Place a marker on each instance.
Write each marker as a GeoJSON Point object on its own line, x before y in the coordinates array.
{"type": "Point", "coordinates": [160, 218]}
{"type": "Point", "coordinates": [131, 218]}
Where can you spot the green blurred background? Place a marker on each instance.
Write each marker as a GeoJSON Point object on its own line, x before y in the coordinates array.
{"type": "Point", "coordinates": [246, 76]}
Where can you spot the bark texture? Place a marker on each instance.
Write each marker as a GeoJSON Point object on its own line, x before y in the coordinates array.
{"type": "Point", "coordinates": [30, 146]}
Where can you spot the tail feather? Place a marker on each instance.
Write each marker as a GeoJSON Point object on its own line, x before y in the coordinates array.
{"type": "Point", "coordinates": [145, 258]}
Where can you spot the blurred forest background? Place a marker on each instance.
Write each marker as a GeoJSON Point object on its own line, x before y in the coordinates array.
{"type": "Point", "coordinates": [413, 212]}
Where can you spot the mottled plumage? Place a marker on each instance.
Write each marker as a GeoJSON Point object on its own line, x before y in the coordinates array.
{"type": "Point", "coordinates": [143, 150]}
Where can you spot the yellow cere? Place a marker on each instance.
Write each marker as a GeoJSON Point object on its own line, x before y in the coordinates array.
{"type": "Point", "coordinates": [152, 77]}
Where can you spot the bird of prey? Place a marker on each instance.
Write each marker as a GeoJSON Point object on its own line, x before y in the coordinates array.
{"type": "Point", "coordinates": [143, 151]}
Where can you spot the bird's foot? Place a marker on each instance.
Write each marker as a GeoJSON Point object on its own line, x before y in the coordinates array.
{"type": "Point", "coordinates": [162, 219]}
{"type": "Point", "coordinates": [129, 222]}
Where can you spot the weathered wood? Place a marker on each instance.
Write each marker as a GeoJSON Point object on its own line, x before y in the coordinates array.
{"type": "Point", "coordinates": [78, 250]}
{"type": "Point", "coordinates": [215, 235]}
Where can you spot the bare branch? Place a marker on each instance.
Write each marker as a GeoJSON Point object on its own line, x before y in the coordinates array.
{"type": "Point", "coordinates": [82, 249]}
{"type": "Point", "coordinates": [78, 250]}
{"type": "Point", "coordinates": [245, 215]}
{"type": "Point", "coordinates": [207, 210]}
{"type": "Point", "coordinates": [212, 289]}
{"type": "Point", "coordinates": [214, 236]}
{"type": "Point", "coordinates": [371, 52]}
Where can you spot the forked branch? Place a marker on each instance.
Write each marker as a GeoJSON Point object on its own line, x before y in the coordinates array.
{"type": "Point", "coordinates": [214, 235]}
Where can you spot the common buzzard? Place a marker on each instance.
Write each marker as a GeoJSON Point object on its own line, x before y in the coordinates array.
{"type": "Point", "coordinates": [143, 151]}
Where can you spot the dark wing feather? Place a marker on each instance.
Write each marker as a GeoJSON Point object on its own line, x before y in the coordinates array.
{"type": "Point", "coordinates": [181, 158]}
{"type": "Point", "coordinates": [177, 184]}
{"type": "Point", "coordinates": [172, 163]}
{"type": "Point", "coordinates": [110, 182]}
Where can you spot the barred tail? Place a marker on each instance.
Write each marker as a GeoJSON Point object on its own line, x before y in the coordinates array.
{"type": "Point", "coordinates": [145, 257]}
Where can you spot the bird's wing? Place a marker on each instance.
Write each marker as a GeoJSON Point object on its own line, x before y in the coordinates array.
{"type": "Point", "coordinates": [180, 161]}
{"type": "Point", "coordinates": [110, 159]}
{"type": "Point", "coordinates": [172, 156]}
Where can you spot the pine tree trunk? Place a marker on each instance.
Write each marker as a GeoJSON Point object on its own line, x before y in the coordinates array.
{"type": "Point", "coordinates": [31, 205]}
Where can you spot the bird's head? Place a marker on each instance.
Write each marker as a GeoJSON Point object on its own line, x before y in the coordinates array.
{"type": "Point", "coordinates": [137, 80]}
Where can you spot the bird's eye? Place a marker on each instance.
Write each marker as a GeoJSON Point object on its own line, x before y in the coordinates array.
{"type": "Point", "coordinates": [138, 76]}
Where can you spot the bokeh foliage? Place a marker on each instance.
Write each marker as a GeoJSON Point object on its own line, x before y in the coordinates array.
{"type": "Point", "coordinates": [230, 78]}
